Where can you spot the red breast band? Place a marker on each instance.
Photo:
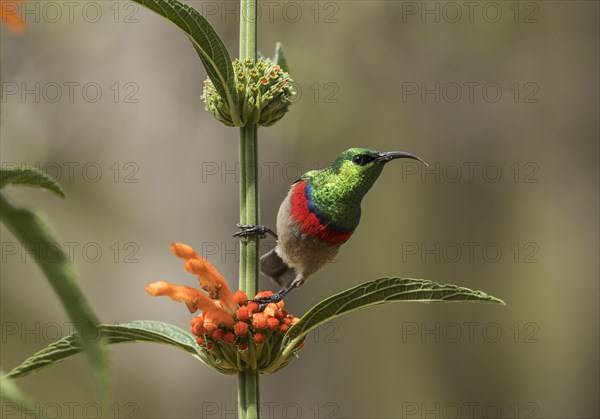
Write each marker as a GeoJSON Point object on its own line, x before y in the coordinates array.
{"type": "Point", "coordinates": [309, 222]}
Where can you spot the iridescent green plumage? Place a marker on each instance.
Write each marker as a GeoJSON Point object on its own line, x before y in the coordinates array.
{"type": "Point", "coordinates": [337, 190]}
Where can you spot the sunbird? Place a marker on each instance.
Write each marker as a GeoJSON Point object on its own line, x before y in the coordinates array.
{"type": "Point", "coordinates": [318, 215]}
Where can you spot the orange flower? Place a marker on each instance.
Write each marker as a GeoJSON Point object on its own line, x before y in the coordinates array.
{"type": "Point", "coordinates": [209, 278]}
{"type": "Point", "coordinates": [10, 16]}
{"type": "Point", "coordinates": [193, 298]}
{"type": "Point", "coordinates": [229, 322]}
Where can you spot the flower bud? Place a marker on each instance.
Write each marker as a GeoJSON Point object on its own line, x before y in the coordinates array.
{"type": "Point", "coordinates": [272, 323]}
{"type": "Point", "coordinates": [240, 328]}
{"type": "Point", "coordinates": [240, 297]}
{"type": "Point", "coordinates": [217, 335]}
{"type": "Point", "coordinates": [197, 325]}
{"type": "Point", "coordinates": [229, 337]}
{"type": "Point", "coordinates": [264, 93]}
{"type": "Point", "coordinates": [243, 314]}
{"type": "Point", "coordinates": [259, 321]}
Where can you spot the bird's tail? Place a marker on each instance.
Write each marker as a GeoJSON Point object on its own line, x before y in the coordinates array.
{"type": "Point", "coordinates": [272, 265]}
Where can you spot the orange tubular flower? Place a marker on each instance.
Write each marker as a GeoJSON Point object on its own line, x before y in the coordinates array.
{"type": "Point", "coordinates": [209, 278]}
{"type": "Point", "coordinates": [192, 298]}
{"type": "Point", "coordinates": [229, 322]}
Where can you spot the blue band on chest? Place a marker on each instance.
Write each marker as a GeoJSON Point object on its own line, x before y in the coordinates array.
{"type": "Point", "coordinates": [322, 218]}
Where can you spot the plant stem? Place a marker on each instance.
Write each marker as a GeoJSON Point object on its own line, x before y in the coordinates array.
{"type": "Point", "coordinates": [248, 20]}
{"type": "Point", "coordinates": [249, 207]}
{"type": "Point", "coordinates": [248, 381]}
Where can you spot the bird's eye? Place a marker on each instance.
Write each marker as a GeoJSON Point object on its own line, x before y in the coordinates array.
{"type": "Point", "coordinates": [362, 159]}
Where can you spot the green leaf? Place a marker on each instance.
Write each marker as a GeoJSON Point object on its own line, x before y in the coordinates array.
{"type": "Point", "coordinates": [33, 233]}
{"type": "Point", "coordinates": [279, 58]}
{"type": "Point", "coordinates": [27, 175]}
{"type": "Point", "coordinates": [136, 331]}
{"type": "Point", "coordinates": [208, 45]}
{"type": "Point", "coordinates": [379, 291]}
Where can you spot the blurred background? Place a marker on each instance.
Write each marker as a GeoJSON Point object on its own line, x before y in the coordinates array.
{"type": "Point", "coordinates": [502, 100]}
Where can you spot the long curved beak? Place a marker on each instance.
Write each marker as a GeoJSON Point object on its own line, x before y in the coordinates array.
{"type": "Point", "coordinates": [391, 155]}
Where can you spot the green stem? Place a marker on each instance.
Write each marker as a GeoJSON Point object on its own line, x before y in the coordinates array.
{"type": "Point", "coordinates": [249, 208]}
{"type": "Point", "coordinates": [248, 381]}
{"type": "Point", "coordinates": [248, 20]}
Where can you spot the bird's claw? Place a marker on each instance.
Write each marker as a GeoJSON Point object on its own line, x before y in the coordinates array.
{"type": "Point", "coordinates": [265, 301]}
{"type": "Point", "coordinates": [252, 230]}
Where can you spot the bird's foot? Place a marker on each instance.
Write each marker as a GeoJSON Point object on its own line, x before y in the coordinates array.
{"type": "Point", "coordinates": [275, 298]}
{"type": "Point", "coordinates": [252, 230]}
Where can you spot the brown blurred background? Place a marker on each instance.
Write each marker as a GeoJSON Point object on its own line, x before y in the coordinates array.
{"type": "Point", "coordinates": [501, 98]}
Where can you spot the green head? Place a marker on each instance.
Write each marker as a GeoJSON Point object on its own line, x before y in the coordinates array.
{"type": "Point", "coordinates": [338, 189]}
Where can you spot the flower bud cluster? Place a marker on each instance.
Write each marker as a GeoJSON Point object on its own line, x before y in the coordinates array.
{"type": "Point", "coordinates": [228, 337]}
{"type": "Point", "coordinates": [264, 94]}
